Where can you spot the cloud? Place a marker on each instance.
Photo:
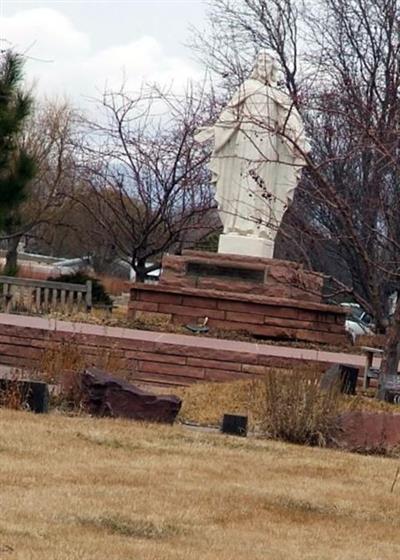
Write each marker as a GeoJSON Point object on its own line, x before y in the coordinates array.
{"type": "Point", "coordinates": [48, 33]}
{"type": "Point", "coordinates": [62, 59]}
{"type": "Point", "coordinates": [134, 62]}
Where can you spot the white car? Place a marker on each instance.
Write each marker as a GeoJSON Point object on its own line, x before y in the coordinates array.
{"type": "Point", "coordinates": [358, 321]}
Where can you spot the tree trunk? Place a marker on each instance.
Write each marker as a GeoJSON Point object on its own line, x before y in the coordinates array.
{"type": "Point", "coordinates": [391, 354]}
{"type": "Point", "coordinates": [140, 269]}
{"type": "Point", "coordinates": [11, 266]}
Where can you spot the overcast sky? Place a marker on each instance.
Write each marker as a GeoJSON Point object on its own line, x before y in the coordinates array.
{"type": "Point", "coordinates": [76, 47]}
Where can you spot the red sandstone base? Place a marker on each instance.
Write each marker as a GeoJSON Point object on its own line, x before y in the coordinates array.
{"type": "Point", "coordinates": [369, 432]}
{"type": "Point", "coordinates": [264, 297]}
{"type": "Point", "coordinates": [151, 358]}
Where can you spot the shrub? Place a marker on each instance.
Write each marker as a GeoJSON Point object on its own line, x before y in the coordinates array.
{"type": "Point", "coordinates": [11, 393]}
{"type": "Point", "coordinates": [62, 364]}
{"type": "Point", "coordinates": [99, 294]}
{"type": "Point", "coordinates": [298, 411]}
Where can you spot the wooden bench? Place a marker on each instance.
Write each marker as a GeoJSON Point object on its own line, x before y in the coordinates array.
{"type": "Point", "coordinates": [369, 371]}
{"type": "Point", "coordinates": [44, 295]}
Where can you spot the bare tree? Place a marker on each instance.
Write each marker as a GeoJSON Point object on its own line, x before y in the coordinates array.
{"type": "Point", "coordinates": [353, 120]}
{"type": "Point", "coordinates": [146, 184]}
{"type": "Point", "coordinates": [48, 137]}
{"type": "Point", "coordinates": [238, 29]}
{"type": "Point", "coordinates": [348, 202]}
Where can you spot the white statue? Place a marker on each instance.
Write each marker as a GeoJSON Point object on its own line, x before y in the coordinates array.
{"type": "Point", "coordinates": [256, 161]}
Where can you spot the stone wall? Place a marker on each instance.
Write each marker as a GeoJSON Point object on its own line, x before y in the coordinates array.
{"type": "Point", "coordinates": [150, 357]}
{"type": "Point", "coordinates": [280, 318]}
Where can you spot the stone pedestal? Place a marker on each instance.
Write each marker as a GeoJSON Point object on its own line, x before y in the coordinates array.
{"type": "Point", "coordinates": [268, 298]}
{"type": "Point", "coordinates": [231, 244]}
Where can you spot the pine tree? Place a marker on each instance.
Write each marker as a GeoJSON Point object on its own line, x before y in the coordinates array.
{"type": "Point", "coordinates": [17, 167]}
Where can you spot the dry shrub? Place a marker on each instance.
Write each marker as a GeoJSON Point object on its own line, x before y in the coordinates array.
{"type": "Point", "coordinates": [298, 411]}
{"type": "Point", "coordinates": [69, 355]}
{"type": "Point", "coordinates": [61, 365]}
{"type": "Point", "coordinates": [12, 394]}
{"type": "Point", "coordinates": [63, 362]}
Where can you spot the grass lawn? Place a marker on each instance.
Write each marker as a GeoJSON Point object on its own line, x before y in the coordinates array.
{"type": "Point", "coordinates": [83, 488]}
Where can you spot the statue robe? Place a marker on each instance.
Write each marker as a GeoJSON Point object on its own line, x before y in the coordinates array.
{"type": "Point", "coordinates": [255, 163]}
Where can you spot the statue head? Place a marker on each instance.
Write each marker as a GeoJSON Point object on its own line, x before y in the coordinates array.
{"type": "Point", "coordinates": [266, 68]}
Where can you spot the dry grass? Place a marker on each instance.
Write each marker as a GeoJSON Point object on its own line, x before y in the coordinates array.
{"type": "Point", "coordinates": [11, 394]}
{"type": "Point", "coordinates": [118, 319]}
{"type": "Point", "coordinates": [206, 403]}
{"type": "Point", "coordinates": [61, 364]}
{"type": "Point", "coordinates": [87, 489]}
{"type": "Point", "coordinates": [68, 356]}
{"type": "Point", "coordinates": [297, 410]}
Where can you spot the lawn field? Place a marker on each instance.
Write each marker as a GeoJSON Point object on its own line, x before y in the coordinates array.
{"type": "Point", "coordinates": [83, 488]}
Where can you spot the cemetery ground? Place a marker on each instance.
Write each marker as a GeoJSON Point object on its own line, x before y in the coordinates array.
{"type": "Point", "coordinates": [74, 486]}
{"type": "Point", "coordinates": [88, 488]}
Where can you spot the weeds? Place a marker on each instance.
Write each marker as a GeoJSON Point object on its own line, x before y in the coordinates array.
{"type": "Point", "coordinates": [298, 411]}
{"type": "Point", "coordinates": [62, 364]}
{"type": "Point", "coordinates": [11, 392]}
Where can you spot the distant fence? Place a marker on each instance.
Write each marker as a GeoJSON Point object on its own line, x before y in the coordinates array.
{"type": "Point", "coordinates": [42, 296]}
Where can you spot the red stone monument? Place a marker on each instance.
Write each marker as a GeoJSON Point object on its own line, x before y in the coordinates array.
{"type": "Point", "coordinates": [258, 152]}
{"type": "Point", "coordinates": [267, 298]}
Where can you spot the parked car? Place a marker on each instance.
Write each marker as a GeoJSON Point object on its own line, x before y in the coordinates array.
{"type": "Point", "coordinates": [358, 321]}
